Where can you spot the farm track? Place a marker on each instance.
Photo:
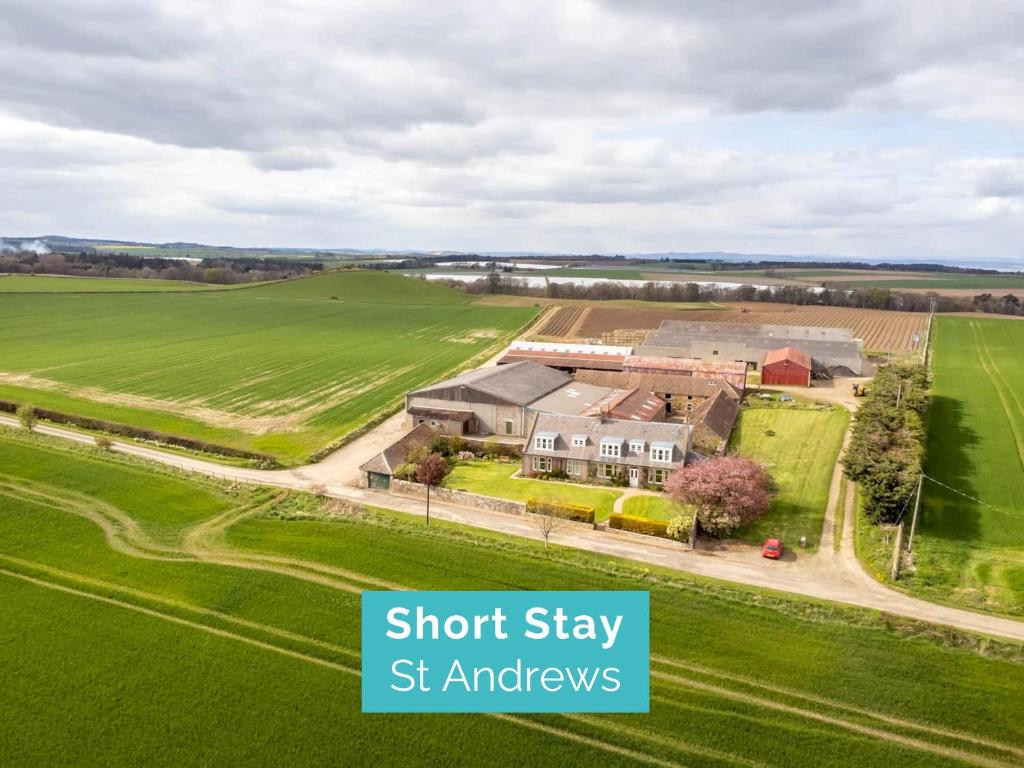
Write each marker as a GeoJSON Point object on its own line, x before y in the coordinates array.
{"type": "Point", "coordinates": [195, 540]}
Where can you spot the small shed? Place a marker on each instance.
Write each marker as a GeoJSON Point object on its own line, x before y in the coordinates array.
{"type": "Point", "coordinates": [786, 366]}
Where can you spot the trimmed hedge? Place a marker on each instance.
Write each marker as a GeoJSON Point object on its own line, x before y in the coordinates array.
{"type": "Point", "coordinates": [575, 512]}
{"type": "Point", "coordinates": [635, 524]}
{"type": "Point", "coordinates": [124, 430]}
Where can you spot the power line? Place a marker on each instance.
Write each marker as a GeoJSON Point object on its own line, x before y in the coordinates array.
{"type": "Point", "coordinates": [960, 493]}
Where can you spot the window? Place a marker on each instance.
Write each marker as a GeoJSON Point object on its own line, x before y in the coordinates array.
{"type": "Point", "coordinates": [636, 446]}
{"type": "Point", "coordinates": [541, 463]}
{"type": "Point", "coordinates": [544, 443]}
{"type": "Point", "coordinates": [607, 470]}
{"type": "Point", "coordinates": [656, 476]}
{"type": "Point", "coordinates": [690, 407]}
{"type": "Point", "coordinates": [579, 441]}
{"type": "Point", "coordinates": [661, 453]}
{"type": "Point", "coordinates": [508, 426]}
{"type": "Point", "coordinates": [714, 352]}
{"type": "Point", "coordinates": [574, 467]}
{"type": "Point", "coordinates": [611, 450]}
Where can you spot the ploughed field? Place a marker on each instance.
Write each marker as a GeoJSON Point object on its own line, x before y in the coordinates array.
{"type": "Point", "coordinates": [283, 369]}
{"type": "Point", "coordinates": [880, 330]}
{"type": "Point", "coordinates": [190, 622]}
{"type": "Point", "coordinates": [970, 541]}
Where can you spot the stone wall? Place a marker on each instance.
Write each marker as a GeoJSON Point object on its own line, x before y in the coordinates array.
{"type": "Point", "coordinates": [461, 498]}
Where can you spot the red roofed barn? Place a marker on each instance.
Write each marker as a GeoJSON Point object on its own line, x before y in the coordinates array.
{"type": "Point", "coordinates": [786, 366]}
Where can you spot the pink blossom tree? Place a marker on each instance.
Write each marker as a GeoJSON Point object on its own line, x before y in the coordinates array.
{"type": "Point", "coordinates": [726, 492]}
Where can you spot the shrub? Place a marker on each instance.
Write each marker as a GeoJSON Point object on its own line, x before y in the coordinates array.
{"type": "Point", "coordinates": [104, 442]}
{"type": "Point", "coordinates": [27, 416]}
{"type": "Point", "coordinates": [447, 445]}
{"type": "Point", "coordinates": [405, 472]}
{"type": "Point", "coordinates": [644, 525]}
{"type": "Point", "coordinates": [619, 480]}
{"type": "Point", "coordinates": [576, 512]}
{"type": "Point", "coordinates": [556, 474]}
{"type": "Point", "coordinates": [679, 527]}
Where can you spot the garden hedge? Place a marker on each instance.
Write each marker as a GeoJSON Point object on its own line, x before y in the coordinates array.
{"type": "Point", "coordinates": [634, 524]}
{"type": "Point", "coordinates": [574, 512]}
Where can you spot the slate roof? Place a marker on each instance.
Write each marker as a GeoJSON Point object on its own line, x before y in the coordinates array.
{"type": "Point", "coordinates": [390, 458]}
{"type": "Point", "coordinates": [596, 429]}
{"type": "Point", "coordinates": [718, 413]}
{"type": "Point", "coordinates": [519, 383]}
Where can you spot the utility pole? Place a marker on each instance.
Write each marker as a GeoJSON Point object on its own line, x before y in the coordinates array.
{"type": "Point", "coordinates": [913, 520]}
{"type": "Point", "coordinates": [899, 395]}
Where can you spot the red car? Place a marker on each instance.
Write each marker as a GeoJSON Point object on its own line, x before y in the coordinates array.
{"type": "Point", "coordinates": [772, 548]}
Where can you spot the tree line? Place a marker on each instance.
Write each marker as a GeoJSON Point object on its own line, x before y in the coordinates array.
{"type": "Point", "coordinates": [217, 271]}
{"type": "Point", "coordinates": [679, 291]}
{"type": "Point", "coordinates": [886, 448]}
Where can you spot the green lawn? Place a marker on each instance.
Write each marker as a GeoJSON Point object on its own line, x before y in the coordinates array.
{"type": "Point", "coordinates": [972, 552]}
{"type": "Point", "coordinates": [491, 478]}
{"type": "Point", "coordinates": [55, 284]}
{"type": "Point", "coordinates": [283, 368]}
{"type": "Point", "coordinates": [655, 507]}
{"type": "Point", "coordinates": [189, 662]}
{"type": "Point", "coordinates": [800, 455]}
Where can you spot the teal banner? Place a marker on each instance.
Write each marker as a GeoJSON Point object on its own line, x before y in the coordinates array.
{"type": "Point", "coordinates": [506, 651]}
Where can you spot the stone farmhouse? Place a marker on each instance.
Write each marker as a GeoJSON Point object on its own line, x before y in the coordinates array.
{"type": "Point", "coordinates": [605, 451]}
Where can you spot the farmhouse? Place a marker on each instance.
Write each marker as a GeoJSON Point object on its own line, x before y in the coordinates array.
{"type": "Point", "coordinates": [786, 366]}
{"type": "Point", "coordinates": [603, 451]}
{"type": "Point", "coordinates": [377, 472]}
{"type": "Point", "coordinates": [731, 371]}
{"type": "Point", "coordinates": [682, 394]}
{"type": "Point", "coordinates": [487, 401]}
{"type": "Point", "coordinates": [833, 349]}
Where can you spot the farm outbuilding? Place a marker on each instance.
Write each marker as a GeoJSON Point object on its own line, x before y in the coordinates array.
{"type": "Point", "coordinates": [787, 366]}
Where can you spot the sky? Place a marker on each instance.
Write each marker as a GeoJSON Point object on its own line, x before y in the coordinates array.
{"type": "Point", "coordinates": [869, 129]}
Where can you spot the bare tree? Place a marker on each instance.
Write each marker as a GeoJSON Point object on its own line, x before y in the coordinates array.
{"type": "Point", "coordinates": [548, 520]}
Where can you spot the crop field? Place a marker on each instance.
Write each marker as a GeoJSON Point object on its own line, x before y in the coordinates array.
{"type": "Point", "coordinates": [283, 368]}
{"type": "Point", "coordinates": [232, 637]}
{"type": "Point", "coordinates": [879, 330]}
{"type": "Point", "coordinates": [799, 446]}
{"type": "Point", "coordinates": [55, 284]}
{"type": "Point", "coordinates": [970, 544]}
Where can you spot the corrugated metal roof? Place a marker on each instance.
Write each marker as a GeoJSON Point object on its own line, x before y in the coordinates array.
{"type": "Point", "coordinates": [725, 367]}
{"type": "Point", "coordinates": [520, 383]}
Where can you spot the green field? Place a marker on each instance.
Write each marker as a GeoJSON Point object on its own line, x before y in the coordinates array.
{"type": "Point", "coordinates": [972, 552]}
{"type": "Point", "coordinates": [237, 643]}
{"type": "Point", "coordinates": [55, 284]}
{"type": "Point", "coordinates": [283, 368]}
{"type": "Point", "coordinates": [799, 445]}
{"type": "Point", "coordinates": [489, 478]}
{"type": "Point", "coordinates": [939, 281]}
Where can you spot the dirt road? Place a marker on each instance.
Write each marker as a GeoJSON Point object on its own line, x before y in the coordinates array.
{"type": "Point", "coordinates": [826, 575]}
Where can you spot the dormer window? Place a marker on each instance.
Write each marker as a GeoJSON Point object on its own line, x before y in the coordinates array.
{"type": "Point", "coordinates": [661, 452]}
{"type": "Point", "coordinates": [636, 446]}
{"type": "Point", "coordinates": [611, 447]}
{"type": "Point", "coordinates": [579, 441]}
{"type": "Point", "coordinates": [544, 441]}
